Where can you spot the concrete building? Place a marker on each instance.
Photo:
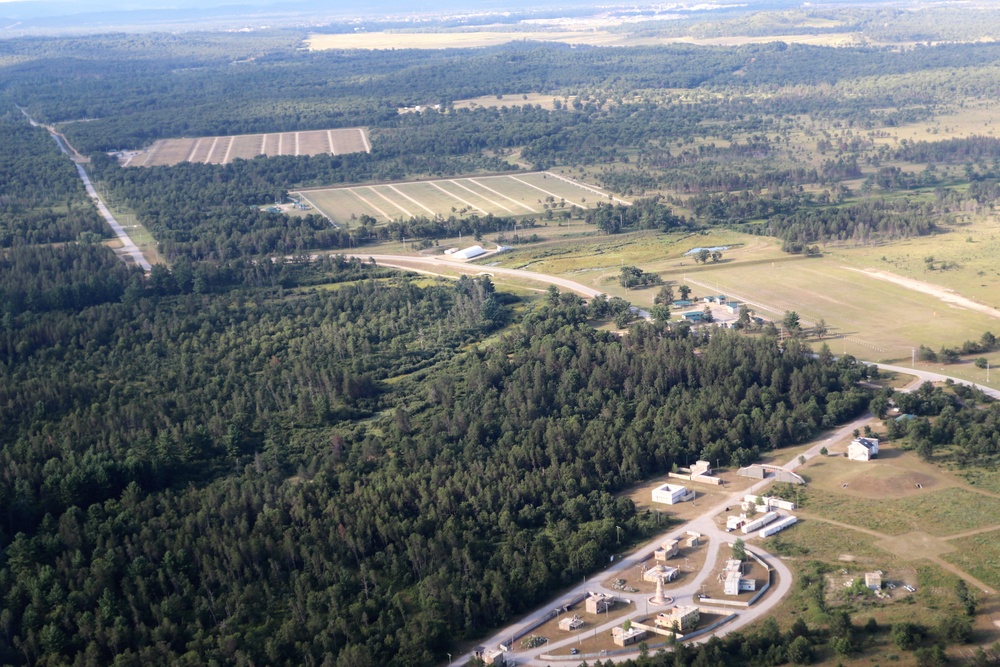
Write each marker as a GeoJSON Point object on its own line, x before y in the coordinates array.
{"type": "Point", "coordinates": [671, 494]}
{"type": "Point", "coordinates": [700, 472]}
{"type": "Point", "coordinates": [570, 623]}
{"type": "Point", "coordinates": [622, 637]}
{"type": "Point", "coordinates": [873, 580]}
{"type": "Point", "coordinates": [599, 603]}
{"type": "Point", "coordinates": [667, 550]}
{"type": "Point", "coordinates": [734, 582]}
{"type": "Point", "coordinates": [680, 619]}
{"type": "Point", "coordinates": [664, 573]}
{"type": "Point", "coordinates": [693, 539]}
{"type": "Point", "coordinates": [863, 449]}
{"type": "Point", "coordinates": [494, 656]}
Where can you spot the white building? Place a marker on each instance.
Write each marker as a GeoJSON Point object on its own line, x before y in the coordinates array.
{"type": "Point", "coordinates": [863, 449]}
{"type": "Point", "coordinates": [671, 494]}
{"type": "Point", "coordinates": [778, 526]}
{"type": "Point", "coordinates": [622, 637]}
{"type": "Point", "coordinates": [664, 573]}
{"type": "Point", "coordinates": [759, 522]}
{"type": "Point", "coordinates": [734, 581]}
{"type": "Point", "coordinates": [770, 502]}
{"type": "Point", "coordinates": [470, 252]}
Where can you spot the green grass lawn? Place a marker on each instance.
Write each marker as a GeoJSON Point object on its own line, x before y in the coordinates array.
{"type": "Point", "coordinates": [978, 555]}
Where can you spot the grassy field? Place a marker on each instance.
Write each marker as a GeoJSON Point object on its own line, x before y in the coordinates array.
{"type": "Point", "coordinates": [141, 236]}
{"type": "Point", "coordinates": [913, 496]}
{"type": "Point", "coordinates": [222, 150]}
{"type": "Point", "coordinates": [979, 555]}
{"type": "Point", "coordinates": [519, 194]}
{"type": "Point", "coordinates": [869, 317]}
{"type": "Point", "coordinates": [504, 101]}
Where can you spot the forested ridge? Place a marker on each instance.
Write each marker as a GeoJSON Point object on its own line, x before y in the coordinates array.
{"type": "Point", "coordinates": [229, 475]}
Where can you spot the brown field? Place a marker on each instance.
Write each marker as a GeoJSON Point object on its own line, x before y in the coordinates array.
{"type": "Point", "coordinates": [520, 193]}
{"type": "Point", "coordinates": [223, 150]}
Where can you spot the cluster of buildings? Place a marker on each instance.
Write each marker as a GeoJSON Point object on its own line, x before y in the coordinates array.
{"type": "Point", "coordinates": [677, 621]}
{"type": "Point", "coordinates": [760, 514]}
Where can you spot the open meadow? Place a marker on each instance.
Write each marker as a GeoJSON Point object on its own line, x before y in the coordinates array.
{"type": "Point", "coordinates": [921, 525]}
{"type": "Point", "coordinates": [521, 194]}
{"type": "Point", "coordinates": [869, 316]}
{"type": "Point", "coordinates": [223, 150]}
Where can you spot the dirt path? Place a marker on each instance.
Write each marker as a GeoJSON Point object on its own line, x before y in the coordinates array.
{"type": "Point", "coordinates": [946, 295]}
{"type": "Point", "coordinates": [972, 533]}
{"type": "Point", "coordinates": [937, 560]}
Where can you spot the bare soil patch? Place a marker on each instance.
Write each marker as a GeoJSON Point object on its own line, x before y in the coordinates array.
{"type": "Point", "coordinates": [914, 545]}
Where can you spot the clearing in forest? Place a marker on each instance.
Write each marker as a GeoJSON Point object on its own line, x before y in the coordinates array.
{"type": "Point", "coordinates": [517, 194]}
{"type": "Point", "coordinates": [223, 150]}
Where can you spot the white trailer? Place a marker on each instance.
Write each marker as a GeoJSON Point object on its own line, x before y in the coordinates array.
{"type": "Point", "coordinates": [778, 526]}
{"type": "Point", "coordinates": [759, 523]}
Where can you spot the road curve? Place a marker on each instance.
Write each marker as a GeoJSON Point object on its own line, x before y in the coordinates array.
{"type": "Point", "coordinates": [426, 264]}
{"type": "Point", "coordinates": [408, 262]}
{"type": "Point", "coordinates": [928, 376]}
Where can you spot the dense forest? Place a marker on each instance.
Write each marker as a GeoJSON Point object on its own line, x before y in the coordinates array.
{"type": "Point", "coordinates": [254, 456]}
{"type": "Point", "coordinates": [228, 474]}
{"type": "Point", "coordinates": [41, 197]}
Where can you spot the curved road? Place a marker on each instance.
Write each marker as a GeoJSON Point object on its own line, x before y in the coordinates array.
{"type": "Point", "coordinates": [423, 264]}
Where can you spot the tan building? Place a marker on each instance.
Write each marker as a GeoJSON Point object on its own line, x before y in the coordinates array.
{"type": "Point", "coordinates": [570, 623]}
{"type": "Point", "coordinates": [681, 619]}
{"type": "Point", "coordinates": [623, 637]}
{"type": "Point", "coordinates": [599, 603]}
{"type": "Point", "coordinates": [667, 550]}
{"type": "Point", "coordinates": [873, 580]}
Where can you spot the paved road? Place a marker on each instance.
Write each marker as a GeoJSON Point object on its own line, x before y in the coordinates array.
{"type": "Point", "coordinates": [128, 247]}
{"type": "Point", "coordinates": [683, 594]}
{"type": "Point", "coordinates": [423, 264]}
{"type": "Point", "coordinates": [928, 376]}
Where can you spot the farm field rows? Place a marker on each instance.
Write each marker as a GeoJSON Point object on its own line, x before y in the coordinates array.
{"type": "Point", "coordinates": [504, 195]}
{"type": "Point", "coordinates": [222, 150]}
